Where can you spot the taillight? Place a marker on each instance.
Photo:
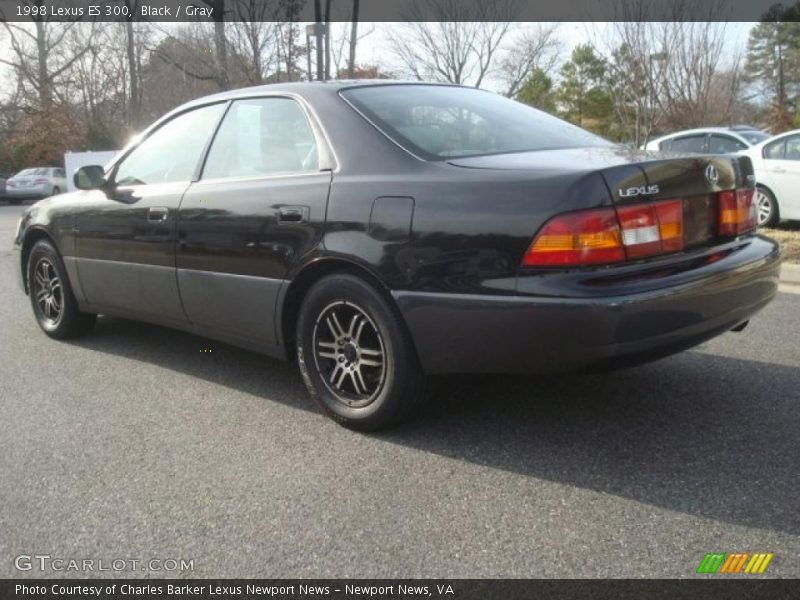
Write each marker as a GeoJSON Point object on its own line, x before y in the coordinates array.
{"type": "Point", "coordinates": [608, 235]}
{"type": "Point", "coordinates": [39, 181]}
{"type": "Point", "coordinates": [737, 212]}
{"type": "Point", "coordinates": [582, 238]}
{"type": "Point", "coordinates": [649, 229]}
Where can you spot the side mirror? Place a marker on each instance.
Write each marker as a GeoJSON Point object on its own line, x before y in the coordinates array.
{"type": "Point", "coordinates": [90, 177]}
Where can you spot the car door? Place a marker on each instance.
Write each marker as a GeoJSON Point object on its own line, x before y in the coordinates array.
{"type": "Point", "coordinates": [783, 166]}
{"type": "Point", "coordinates": [125, 240]}
{"type": "Point", "coordinates": [257, 209]}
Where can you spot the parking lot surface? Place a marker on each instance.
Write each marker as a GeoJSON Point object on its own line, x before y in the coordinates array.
{"type": "Point", "coordinates": [140, 441]}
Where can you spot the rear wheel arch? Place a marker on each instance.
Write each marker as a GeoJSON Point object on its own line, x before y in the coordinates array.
{"type": "Point", "coordinates": [303, 282]}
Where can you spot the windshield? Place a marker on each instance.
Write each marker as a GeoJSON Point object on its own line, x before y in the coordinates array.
{"type": "Point", "coordinates": [753, 136]}
{"type": "Point", "coordinates": [440, 122]}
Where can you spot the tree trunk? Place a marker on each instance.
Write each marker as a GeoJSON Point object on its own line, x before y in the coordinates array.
{"type": "Point", "coordinates": [45, 85]}
{"type": "Point", "coordinates": [134, 103]}
{"type": "Point", "coordinates": [351, 61]}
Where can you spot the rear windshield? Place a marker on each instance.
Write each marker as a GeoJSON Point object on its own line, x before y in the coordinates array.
{"type": "Point", "coordinates": [753, 136]}
{"type": "Point", "coordinates": [29, 172]}
{"type": "Point", "coordinates": [441, 122]}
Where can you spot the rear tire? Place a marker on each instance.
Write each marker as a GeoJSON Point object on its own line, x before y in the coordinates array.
{"type": "Point", "coordinates": [767, 207]}
{"type": "Point", "coordinates": [355, 355]}
{"type": "Point", "coordinates": [56, 191]}
{"type": "Point", "coordinates": [53, 302]}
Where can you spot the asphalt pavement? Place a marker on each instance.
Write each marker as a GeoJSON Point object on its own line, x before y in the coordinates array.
{"type": "Point", "coordinates": [143, 442]}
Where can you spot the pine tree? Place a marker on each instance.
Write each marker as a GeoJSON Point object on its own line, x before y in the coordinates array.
{"type": "Point", "coordinates": [773, 60]}
{"type": "Point", "coordinates": [582, 94]}
{"type": "Point", "coordinates": [537, 91]}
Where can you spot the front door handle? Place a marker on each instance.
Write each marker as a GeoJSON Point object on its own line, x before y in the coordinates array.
{"type": "Point", "coordinates": [157, 213]}
{"type": "Point", "coordinates": [292, 214]}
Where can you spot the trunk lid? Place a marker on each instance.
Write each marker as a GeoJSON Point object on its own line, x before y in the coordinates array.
{"type": "Point", "coordinates": [635, 176]}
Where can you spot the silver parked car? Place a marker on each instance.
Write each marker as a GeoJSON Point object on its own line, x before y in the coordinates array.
{"type": "Point", "coordinates": [38, 182]}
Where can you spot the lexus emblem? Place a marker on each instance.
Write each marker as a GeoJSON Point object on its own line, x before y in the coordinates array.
{"type": "Point", "coordinates": [712, 177]}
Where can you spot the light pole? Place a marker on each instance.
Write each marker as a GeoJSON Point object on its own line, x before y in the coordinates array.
{"type": "Point", "coordinates": [652, 91]}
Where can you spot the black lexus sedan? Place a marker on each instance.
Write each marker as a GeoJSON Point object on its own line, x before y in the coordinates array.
{"type": "Point", "coordinates": [381, 232]}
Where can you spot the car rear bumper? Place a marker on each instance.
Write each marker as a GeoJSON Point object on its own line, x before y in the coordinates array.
{"type": "Point", "coordinates": [523, 334]}
{"type": "Point", "coordinates": [41, 191]}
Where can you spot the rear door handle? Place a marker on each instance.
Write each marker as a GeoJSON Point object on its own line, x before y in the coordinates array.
{"type": "Point", "coordinates": [292, 214]}
{"type": "Point", "coordinates": [157, 213]}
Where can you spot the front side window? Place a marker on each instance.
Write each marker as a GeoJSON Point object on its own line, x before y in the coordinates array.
{"type": "Point", "coordinates": [723, 144]}
{"type": "Point", "coordinates": [689, 143]}
{"type": "Point", "coordinates": [262, 136]}
{"type": "Point", "coordinates": [172, 152]}
{"type": "Point", "coordinates": [775, 150]}
{"type": "Point", "coordinates": [441, 122]}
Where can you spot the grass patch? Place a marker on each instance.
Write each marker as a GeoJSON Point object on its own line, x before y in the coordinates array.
{"type": "Point", "coordinates": [788, 236]}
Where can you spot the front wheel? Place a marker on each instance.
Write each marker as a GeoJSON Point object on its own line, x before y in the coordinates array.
{"type": "Point", "coordinates": [53, 302]}
{"type": "Point", "coordinates": [767, 206]}
{"type": "Point", "coordinates": [355, 355]}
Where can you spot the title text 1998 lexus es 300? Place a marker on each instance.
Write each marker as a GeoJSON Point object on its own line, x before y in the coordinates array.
{"type": "Point", "coordinates": [379, 232]}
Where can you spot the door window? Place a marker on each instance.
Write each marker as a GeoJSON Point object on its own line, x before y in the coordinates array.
{"type": "Point", "coordinates": [792, 148]}
{"type": "Point", "coordinates": [775, 150]}
{"type": "Point", "coordinates": [262, 136]}
{"type": "Point", "coordinates": [689, 143]}
{"type": "Point", "coordinates": [172, 152]}
{"type": "Point", "coordinates": [723, 144]}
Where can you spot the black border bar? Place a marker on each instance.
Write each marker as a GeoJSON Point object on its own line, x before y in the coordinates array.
{"type": "Point", "coordinates": [188, 11]}
{"type": "Point", "coordinates": [387, 589]}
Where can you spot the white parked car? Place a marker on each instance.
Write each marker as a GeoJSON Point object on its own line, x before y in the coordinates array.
{"type": "Point", "coordinates": [709, 140]}
{"type": "Point", "coordinates": [38, 182]}
{"type": "Point", "coordinates": [776, 162]}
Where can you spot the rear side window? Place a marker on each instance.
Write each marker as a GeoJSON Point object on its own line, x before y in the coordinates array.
{"type": "Point", "coordinates": [689, 143]}
{"type": "Point", "coordinates": [724, 144]}
{"type": "Point", "coordinates": [262, 136]}
{"type": "Point", "coordinates": [792, 148]}
{"type": "Point", "coordinates": [60, 173]}
{"type": "Point", "coordinates": [441, 122]}
{"type": "Point", "coordinates": [775, 150]}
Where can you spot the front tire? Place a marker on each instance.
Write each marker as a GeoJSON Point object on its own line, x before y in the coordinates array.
{"type": "Point", "coordinates": [355, 355]}
{"type": "Point", "coordinates": [767, 207]}
{"type": "Point", "coordinates": [53, 302]}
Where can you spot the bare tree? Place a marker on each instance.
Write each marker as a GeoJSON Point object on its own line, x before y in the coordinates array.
{"type": "Point", "coordinates": [537, 48]}
{"type": "Point", "coordinates": [253, 37]}
{"type": "Point", "coordinates": [452, 40]}
{"type": "Point", "coordinates": [39, 56]}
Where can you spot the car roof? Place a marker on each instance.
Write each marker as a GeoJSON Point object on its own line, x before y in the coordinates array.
{"type": "Point", "coordinates": [728, 130]}
{"type": "Point", "coordinates": [776, 137]}
{"type": "Point", "coordinates": [332, 86]}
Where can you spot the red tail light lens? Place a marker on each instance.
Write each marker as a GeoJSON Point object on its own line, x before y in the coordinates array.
{"type": "Point", "coordinates": [608, 235]}
{"type": "Point", "coordinates": [583, 238]}
{"type": "Point", "coordinates": [737, 212]}
{"type": "Point", "coordinates": [649, 229]}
